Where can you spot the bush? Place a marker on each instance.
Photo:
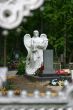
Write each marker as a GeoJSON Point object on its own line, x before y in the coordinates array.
{"type": "Point", "coordinates": [21, 66]}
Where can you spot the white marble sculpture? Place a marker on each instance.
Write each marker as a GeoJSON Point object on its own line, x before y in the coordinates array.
{"type": "Point", "coordinates": [35, 47]}
{"type": "Point", "coordinates": [13, 12]}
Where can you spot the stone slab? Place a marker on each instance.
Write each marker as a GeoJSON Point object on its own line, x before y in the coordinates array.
{"type": "Point", "coordinates": [48, 62]}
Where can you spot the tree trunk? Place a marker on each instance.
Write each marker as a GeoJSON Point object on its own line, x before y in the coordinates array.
{"type": "Point", "coordinates": [5, 52]}
{"type": "Point", "coordinates": [65, 49]}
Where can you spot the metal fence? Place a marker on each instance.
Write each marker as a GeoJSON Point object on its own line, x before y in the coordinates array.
{"type": "Point", "coordinates": [71, 65]}
{"type": "Point", "coordinates": [57, 66]}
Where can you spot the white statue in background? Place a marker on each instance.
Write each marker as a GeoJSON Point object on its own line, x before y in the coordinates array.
{"type": "Point", "coordinates": [35, 47]}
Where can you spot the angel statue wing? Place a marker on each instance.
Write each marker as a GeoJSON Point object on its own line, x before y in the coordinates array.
{"type": "Point", "coordinates": [27, 42]}
{"type": "Point", "coordinates": [45, 40]}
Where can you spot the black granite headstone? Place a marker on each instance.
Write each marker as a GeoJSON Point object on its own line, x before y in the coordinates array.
{"type": "Point", "coordinates": [48, 62]}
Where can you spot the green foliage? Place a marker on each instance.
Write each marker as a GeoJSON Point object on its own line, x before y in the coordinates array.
{"type": "Point", "coordinates": [59, 17]}
{"type": "Point", "coordinates": [56, 20]}
{"type": "Point", "coordinates": [21, 66]}
{"type": "Point", "coordinates": [9, 85]}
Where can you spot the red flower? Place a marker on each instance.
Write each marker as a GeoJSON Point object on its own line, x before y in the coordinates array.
{"type": "Point", "coordinates": [60, 72]}
{"type": "Point", "coordinates": [41, 68]}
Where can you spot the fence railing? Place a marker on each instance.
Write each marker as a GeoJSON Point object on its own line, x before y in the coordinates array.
{"type": "Point", "coordinates": [62, 101]}
{"type": "Point", "coordinates": [71, 65]}
{"type": "Point", "coordinates": [57, 66]}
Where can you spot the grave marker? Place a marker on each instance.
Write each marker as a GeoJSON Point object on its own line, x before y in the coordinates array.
{"type": "Point", "coordinates": [48, 62]}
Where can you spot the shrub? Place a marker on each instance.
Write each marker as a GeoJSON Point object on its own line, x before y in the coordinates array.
{"type": "Point", "coordinates": [21, 66]}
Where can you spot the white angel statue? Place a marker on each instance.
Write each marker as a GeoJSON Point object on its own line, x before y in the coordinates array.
{"type": "Point", "coordinates": [35, 47]}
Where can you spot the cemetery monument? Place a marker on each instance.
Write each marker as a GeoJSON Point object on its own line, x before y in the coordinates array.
{"type": "Point", "coordinates": [35, 47]}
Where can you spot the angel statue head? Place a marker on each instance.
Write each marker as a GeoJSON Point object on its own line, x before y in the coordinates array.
{"type": "Point", "coordinates": [36, 33]}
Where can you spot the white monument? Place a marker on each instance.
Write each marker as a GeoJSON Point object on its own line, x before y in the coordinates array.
{"type": "Point", "coordinates": [35, 47]}
{"type": "Point", "coordinates": [3, 76]}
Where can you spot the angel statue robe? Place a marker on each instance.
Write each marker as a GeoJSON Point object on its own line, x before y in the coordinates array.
{"type": "Point", "coordinates": [35, 47]}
